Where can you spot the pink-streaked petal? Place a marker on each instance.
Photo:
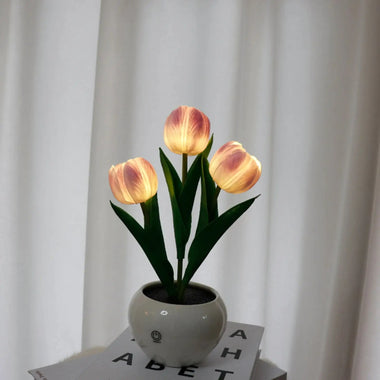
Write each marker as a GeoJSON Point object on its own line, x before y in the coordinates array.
{"type": "Point", "coordinates": [187, 130]}
{"type": "Point", "coordinates": [173, 130]}
{"type": "Point", "coordinates": [198, 132]}
{"type": "Point", "coordinates": [246, 175]}
{"type": "Point", "coordinates": [148, 183]}
{"type": "Point", "coordinates": [140, 179]}
{"type": "Point", "coordinates": [233, 169]}
{"type": "Point", "coordinates": [134, 181]}
{"type": "Point", "coordinates": [222, 158]}
{"type": "Point", "coordinates": [150, 179]}
{"type": "Point", "coordinates": [114, 184]}
{"type": "Point", "coordinates": [177, 116]}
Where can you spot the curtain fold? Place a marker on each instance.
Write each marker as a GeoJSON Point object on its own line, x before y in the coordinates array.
{"type": "Point", "coordinates": [47, 70]}
{"type": "Point", "coordinates": [90, 84]}
{"type": "Point", "coordinates": [367, 349]}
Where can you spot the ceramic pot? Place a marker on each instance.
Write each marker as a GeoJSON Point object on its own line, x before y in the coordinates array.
{"type": "Point", "coordinates": [177, 335]}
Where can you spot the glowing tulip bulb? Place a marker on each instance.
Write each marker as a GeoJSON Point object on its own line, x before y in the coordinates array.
{"type": "Point", "coordinates": [187, 131]}
{"type": "Point", "coordinates": [134, 181]}
{"type": "Point", "coordinates": [233, 169]}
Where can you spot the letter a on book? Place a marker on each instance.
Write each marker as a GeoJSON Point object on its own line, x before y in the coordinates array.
{"type": "Point", "coordinates": [240, 333]}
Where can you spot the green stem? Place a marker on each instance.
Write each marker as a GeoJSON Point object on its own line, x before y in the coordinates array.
{"type": "Point", "coordinates": [180, 261]}
{"type": "Point", "coordinates": [184, 167]}
{"type": "Point", "coordinates": [146, 214]}
{"type": "Point", "coordinates": [179, 273]}
{"type": "Point", "coordinates": [214, 202]}
{"type": "Point", "coordinates": [181, 292]}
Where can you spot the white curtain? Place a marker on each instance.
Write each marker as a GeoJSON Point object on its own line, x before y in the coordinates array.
{"type": "Point", "coordinates": [84, 85]}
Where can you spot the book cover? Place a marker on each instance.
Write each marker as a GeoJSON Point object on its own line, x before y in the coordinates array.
{"type": "Point", "coordinates": [233, 358]}
{"type": "Point", "coordinates": [265, 370]}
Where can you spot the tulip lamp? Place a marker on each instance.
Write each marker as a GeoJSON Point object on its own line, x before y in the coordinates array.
{"type": "Point", "coordinates": [175, 321]}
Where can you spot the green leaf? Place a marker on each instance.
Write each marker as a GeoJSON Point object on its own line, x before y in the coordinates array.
{"type": "Point", "coordinates": [211, 193]}
{"type": "Point", "coordinates": [133, 226]}
{"type": "Point", "coordinates": [181, 232]}
{"type": "Point", "coordinates": [205, 240]}
{"type": "Point", "coordinates": [171, 176]}
{"type": "Point", "coordinates": [206, 152]}
{"type": "Point", "coordinates": [151, 241]}
{"type": "Point", "coordinates": [187, 196]}
{"type": "Point", "coordinates": [209, 205]}
{"type": "Point", "coordinates": [182, 196]}
{"type": "Point", "coordinates": [203, 218]}
{"type": "Point", "coordinates": [153, 222]}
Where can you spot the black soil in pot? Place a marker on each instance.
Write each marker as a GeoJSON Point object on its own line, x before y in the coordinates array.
{"type": "Point", "coordinates": [193, 295]}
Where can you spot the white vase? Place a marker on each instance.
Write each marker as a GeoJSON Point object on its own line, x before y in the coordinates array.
{"type": "Point", "coordinates": [177, 335]}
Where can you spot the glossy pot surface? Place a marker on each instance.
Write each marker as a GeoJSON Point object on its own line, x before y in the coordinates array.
{"type": "Point", "coordinates": [177, 335]}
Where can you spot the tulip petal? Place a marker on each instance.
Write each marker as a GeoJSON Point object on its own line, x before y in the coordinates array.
{"type": "Point", "coordinates": [140, 179]}
{"type": "Point", "coordinates": [117, 184]}
{"type": "Point", "coordinates": [233, 169]}
{"type": "Point", "coordinates": [172, 130]}
{"type": "Point", "coordinates": [187, 131]}
{"type": "Point", "coordinates": [114, 184]}
{"type": "Point", "coordinates": [197, 133]}
{"type": "Point", "coordinates": [134, 181]}
{"type": "Point", "coordinates": [128, 199]}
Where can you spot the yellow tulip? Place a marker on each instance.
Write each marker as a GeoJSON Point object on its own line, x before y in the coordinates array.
{"type": "Point", "coordinates": [187, 131]}
{"type": "Point", "coordinates": [134, 181]}
{"type": "Point", "coordinates": [233, 169]}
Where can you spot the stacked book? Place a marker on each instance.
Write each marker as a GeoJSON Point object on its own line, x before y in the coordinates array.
{"type": "Point", "coordinates": [236, 357]}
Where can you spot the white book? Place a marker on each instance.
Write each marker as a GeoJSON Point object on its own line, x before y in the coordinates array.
{"type": "Point", "coordinates": [265, 370]}
{"type": "Point", "coordinates": [233, 358]}
{"type": "Point", "coordinates": [66, 370]}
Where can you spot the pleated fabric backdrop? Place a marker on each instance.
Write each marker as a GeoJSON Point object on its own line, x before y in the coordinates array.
{"type": "Point", "coordinates": [88, 84]}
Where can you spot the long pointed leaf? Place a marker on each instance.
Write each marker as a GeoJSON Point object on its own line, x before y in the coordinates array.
{"type": "Point", "coordinates": [206, 152]}
{"type": "Point", "coordinates": [133, 226]}
{"type": "Point", "coordinates": [203, 218]}
{"type": "Point", "coordinates": [151, 242]}
{"type": "Point", "coordinates": [181, 232]}
{"type": "Point", "coordinates": [153, 225]}
{"type": "Point", "coordinates": [207, 238]}
{"type": "Point", "coordinates": [187, 196]}
{"type": "Point", "coordinates": [171, 176]}
{"type": "Point", "coordinates": [208, 210]}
